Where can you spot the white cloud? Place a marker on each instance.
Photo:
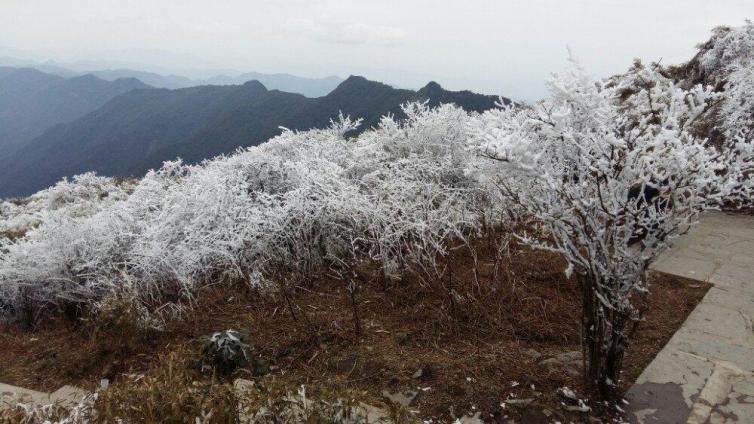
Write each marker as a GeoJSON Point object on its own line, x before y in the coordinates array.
{"type": "Point", "coordinates": [346, 33]}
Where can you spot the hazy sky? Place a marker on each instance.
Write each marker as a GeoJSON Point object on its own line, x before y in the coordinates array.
{"type": "Point", "coordinates": [501, 47]}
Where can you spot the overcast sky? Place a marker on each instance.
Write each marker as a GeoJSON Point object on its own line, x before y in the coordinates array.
{"type": "Point", "coordinates": [499, 47]}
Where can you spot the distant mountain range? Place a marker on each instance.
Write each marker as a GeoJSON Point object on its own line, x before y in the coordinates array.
{"type": "Point", "coordinates": [310, 87]}
{"type": "Point", "coordinates": [32, 101]}
{"type": "Point", "coordinates": [139, 129]}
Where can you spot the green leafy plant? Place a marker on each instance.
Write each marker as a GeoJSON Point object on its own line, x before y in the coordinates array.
{"type": "Point", "coordinates": [226, 351]}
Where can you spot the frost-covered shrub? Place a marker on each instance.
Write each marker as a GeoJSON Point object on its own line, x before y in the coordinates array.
{"type": "Point", "coordinates": [729, 59]}
{"type": "Point", "coordinates": [579, 156]}
{"type": "Point", "coordinates": [726, 62]}
{"type": "Point", "coordinates": [396, 195]}
{"type": "Point", "coordinates": [82, 196]}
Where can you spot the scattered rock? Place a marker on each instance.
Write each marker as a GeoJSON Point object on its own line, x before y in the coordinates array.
{"type": "Point", "coordinates": [404, 399]}
{"type": "Point", "coordinates": [419, 373]}
{"type": "Point", "coordinates": [568, 395]}
{"type": "Point", "coordinates": [471, 419]}
{"type": "Point", "coordinates": [569, 362]}
{"type": "Point", "coordinates": [576, 408]}
{"type": "Point", "coordinates": [519, 403]}
{"type": "Point", "coordinates": [571, 402]}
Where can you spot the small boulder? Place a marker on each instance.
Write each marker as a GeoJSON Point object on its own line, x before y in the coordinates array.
{"type": "Point", "coordinates": [569, 362]}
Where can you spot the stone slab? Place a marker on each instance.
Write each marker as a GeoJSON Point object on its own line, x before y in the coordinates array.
{"type": "Point", "coordinates": [66, 396]}
{"type": "Point", "coordinates": [10, 396]}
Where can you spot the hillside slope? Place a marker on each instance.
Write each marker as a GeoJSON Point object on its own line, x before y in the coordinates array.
{"type": "Point", "coordinates": [139, 130]}
{"type": "Point", "coordinates": [32, 101]}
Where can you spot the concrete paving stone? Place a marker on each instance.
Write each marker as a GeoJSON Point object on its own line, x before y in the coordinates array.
{"type": "Point", "coordinates": [713, 240]}
{"type": "Point", "coordinates": [698, 269]}
{"type": "Point", "coordinates": [736, 300]}
{"type": "Point", "coordinates": [726, 323]}
{"type": "Point", "coordinates": [10, 396]}
{"type": "Point", "coordinates": [726, 220]}
{"type": "Point", "coordinates": [68, 396]}
{"type": "Point", "coordinates": [714, 398]}
{"type": "Point", "coordinates": [665, 392]}
{"type": "Point", "coordinates": [733, 250]}
{"type": "Point", "coordinates": [737, 408]}
{"type": "Point", "coordinates": [695, 252]}
{"type": "Point", "coordinates": [674, 368]}
{"type": "Point", "coordinates": [745, 388]}
{"type": "Point", "coordinates": [741, 259]}
{"type": "Point", "coordinates": [734, 277]}
{"type": "Point", "coordinates": [713, 347]}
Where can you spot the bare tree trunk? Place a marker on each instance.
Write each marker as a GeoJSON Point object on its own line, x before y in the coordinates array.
{"type": "Point", "coordinates": [604, 340]}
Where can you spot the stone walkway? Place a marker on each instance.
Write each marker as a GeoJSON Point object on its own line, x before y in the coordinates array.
{"type": "Point", "coordinates": [705, 374]}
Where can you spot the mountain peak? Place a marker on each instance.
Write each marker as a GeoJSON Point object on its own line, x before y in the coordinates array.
{"type": "Point", "coordinates": [355, 84]}
{"type": "Point", "coordinates": [432, 86]}
{"type": "Point", "coordinates": [254, 84]}
{"type": "Point", "coordinates": [352, 79]}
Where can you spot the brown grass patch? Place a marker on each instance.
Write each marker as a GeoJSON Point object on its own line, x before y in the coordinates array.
{"type": "Point", "coordinates": [470, 345]}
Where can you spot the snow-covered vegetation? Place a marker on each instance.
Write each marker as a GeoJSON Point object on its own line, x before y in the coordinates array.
{"type": "Point", "coordinates": [614, 173]}
{"type": "Point", "coordinates": [82, 196]}
{"type": "Point", "coordinates": [606, 172]}
{"type": "Point", "coordinates": [727, 60]}
{"type": "Point", "coordinates": [394, 195]}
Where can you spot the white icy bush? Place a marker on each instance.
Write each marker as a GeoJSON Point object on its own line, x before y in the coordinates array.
{"type": "Point", "coordinates": [396, 195]}
{"type": "Point", "coordinates": [726, 61]}
{"type": "Point", "coordinates": [82, 196]}
{"type": "Point", "coordinates": [612, 172]}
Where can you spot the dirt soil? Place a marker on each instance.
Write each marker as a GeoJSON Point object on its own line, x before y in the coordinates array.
{"type": "Point", "coordinates": [465, 344]}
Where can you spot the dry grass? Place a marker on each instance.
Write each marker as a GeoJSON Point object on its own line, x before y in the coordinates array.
{"type": "Point", "coordinates": [470, 345]}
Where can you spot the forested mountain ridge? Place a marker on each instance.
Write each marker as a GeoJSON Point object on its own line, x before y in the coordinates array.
{"type": "Point", "coordinates": [139, 130]}
{"type": "Point", "coordinates": [31, 101]}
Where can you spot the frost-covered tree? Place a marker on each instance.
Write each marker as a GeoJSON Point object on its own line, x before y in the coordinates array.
{"type": "Point", "coordinates": [727, 60]}
{"type": "Point", "coordinates": [611, 174]}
